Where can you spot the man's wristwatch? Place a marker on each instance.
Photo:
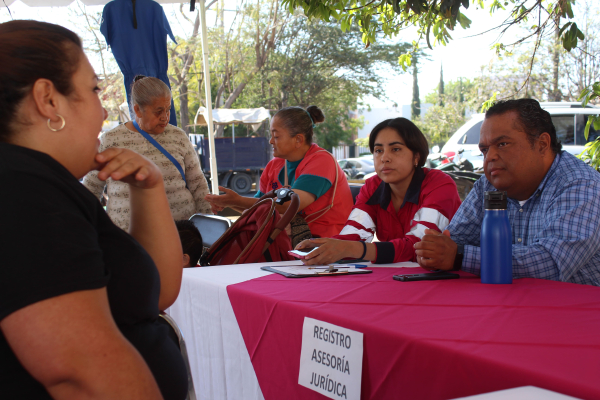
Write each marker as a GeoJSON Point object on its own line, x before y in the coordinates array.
{"type": "Point", "coordinates": [460, 250]}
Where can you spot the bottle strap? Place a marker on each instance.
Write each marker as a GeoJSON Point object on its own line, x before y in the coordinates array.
{"type": "Point", "coordinates": [162, 150]}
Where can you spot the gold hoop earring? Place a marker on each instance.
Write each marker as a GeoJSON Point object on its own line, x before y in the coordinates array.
{"type": "Point", "coordinates": [62, 126]}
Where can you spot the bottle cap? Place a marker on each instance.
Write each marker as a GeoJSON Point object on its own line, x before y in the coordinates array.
{"type": "Point", "coordinates": [495, 200]}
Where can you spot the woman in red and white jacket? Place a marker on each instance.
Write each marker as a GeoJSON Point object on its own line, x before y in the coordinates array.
{"type": "Point", "coordinates": [397, 205]}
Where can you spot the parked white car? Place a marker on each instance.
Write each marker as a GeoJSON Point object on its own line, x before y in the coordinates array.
{"type": "Point", "coordinates": [569, 119]}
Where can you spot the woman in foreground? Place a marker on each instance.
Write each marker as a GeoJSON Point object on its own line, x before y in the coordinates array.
{"type": "Point", "coordinates": [397, 205]}
{"type": "Point", "coordinates": [79, 297]}
{"type": "Point", "coordinates": [313, 173]}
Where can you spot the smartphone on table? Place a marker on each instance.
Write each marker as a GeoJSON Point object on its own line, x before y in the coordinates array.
{"type": "Point", "coordinates": [429, 276]}
{"type": "Point", "coordinates": [301, 254]}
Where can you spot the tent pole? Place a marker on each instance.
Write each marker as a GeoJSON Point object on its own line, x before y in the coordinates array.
{"type": "Point", "coordinates": [214, 176]}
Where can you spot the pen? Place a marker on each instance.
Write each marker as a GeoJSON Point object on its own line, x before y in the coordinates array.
{"type": "Point", "coordinates": [346, 266]}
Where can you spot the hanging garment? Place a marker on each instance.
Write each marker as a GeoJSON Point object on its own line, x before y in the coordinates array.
{"type": "Point", "coordinates": [138, 41]}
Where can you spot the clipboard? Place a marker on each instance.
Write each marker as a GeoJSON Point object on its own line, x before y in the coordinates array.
{"type": "Point", "coordinates": [295, 271]}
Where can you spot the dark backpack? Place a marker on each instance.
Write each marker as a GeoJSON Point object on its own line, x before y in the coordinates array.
{"type": "Point", "coordinates": [258, 235]}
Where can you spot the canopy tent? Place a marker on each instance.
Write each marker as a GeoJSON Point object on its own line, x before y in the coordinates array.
{"type": "Point", "coordinates": [201, 6]}
{"type": "Point", "coordinates": [225, 116]}
{"type": "Point", "coordinates": [64, 3]}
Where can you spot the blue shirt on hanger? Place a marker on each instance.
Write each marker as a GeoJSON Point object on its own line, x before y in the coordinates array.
{"type": "Point", "coordinates": [141, 51]}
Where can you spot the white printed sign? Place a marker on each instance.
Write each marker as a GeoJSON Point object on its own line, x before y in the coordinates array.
{"type": "Point", "coordinates": [331, 360]}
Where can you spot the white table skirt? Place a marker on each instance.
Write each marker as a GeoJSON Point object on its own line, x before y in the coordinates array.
{"type": "Point", "coordinates": [221, 366]}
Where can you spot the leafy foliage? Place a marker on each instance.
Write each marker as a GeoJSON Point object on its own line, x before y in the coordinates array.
{"type": "Point", "coordinates": [311, 62]}
{"type": "Point", "coordinates": [591, 150]}
{"type": "Point", "coordinates": [441, 121]}
{"type": "Point", "coordinates": [434, 19]}
{"type": "Point", "coordinates": [438, 17]}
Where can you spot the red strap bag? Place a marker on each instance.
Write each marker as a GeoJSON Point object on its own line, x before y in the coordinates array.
{"type": "Point", "coordinates": [258, 235]}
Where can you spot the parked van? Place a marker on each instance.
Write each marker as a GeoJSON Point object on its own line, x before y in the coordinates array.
{"type": "Point", "coordinates": [569, 119]}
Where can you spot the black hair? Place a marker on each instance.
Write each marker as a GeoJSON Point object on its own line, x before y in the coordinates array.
{"type": "Point", "coordinates": [191, 240]}
{"type": "Point", "coordinates": [412, 136]}
{"type": "Point", "coordinates": [532, 119]}
{"type": "Point", "coordinates": [32, 50]}
{"type": "Point", "coordinates": [298, 120]}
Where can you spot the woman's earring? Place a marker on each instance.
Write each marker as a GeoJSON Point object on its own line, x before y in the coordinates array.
{"type": "Point", "coordinates": [62, 125]}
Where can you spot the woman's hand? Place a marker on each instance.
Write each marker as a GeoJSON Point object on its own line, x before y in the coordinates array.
{"type": "Point", "coordinates": [129, 167]}
{"type": "Point", "coordinates": [329, 250]}
{"type": "Point", "coordinates": [219, 202]}
{"type": "Point", "coordinates": [151, 221]}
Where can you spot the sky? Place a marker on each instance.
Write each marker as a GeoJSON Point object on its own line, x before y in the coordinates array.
{"type": "Point", "coordinates": [462, 57]}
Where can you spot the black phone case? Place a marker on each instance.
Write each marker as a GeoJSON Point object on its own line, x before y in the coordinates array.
{"type": "Point", "coordinates": [431, 276]}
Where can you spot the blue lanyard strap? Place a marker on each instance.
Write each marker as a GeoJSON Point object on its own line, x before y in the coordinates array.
{"type": "Point", "coordinates": [161, 149]}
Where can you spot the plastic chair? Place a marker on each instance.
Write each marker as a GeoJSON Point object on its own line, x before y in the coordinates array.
{"type": "Point", "coordinates": [355, 190]}
{"type": "Point", "coordinates": [211, 227]}
{"type": "Point", "coordinates": [183, 348]}
{"type": "Point", "coordinates": [464, 183]}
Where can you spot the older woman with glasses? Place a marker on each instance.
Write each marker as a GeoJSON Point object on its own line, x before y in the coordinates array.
{"type": "Point", "coordinates": [151, 135]}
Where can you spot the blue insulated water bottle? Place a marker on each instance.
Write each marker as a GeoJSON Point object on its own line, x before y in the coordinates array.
{"type": "Point", "coordinates": [496, 240]}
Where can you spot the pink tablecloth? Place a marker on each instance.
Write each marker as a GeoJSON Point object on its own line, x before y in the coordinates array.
{"type": "Point", "coordinates": [428, 340]}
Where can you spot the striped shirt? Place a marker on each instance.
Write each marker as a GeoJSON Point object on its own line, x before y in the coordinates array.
{"type": "Point", "coordinates": [183, 202]}
{"type": "Point", "coordinates": [555, 234]}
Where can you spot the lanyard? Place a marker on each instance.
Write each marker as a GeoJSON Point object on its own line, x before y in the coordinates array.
{"type": "Point", "coordinates": [162, 150]}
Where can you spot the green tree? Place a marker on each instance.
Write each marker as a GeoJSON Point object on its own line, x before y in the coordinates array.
{"type": "Point", "coordinates": [415, 106]}
{"type": "Point", "coordinates": [256, 34]}
{"type": "Point", "coordinates": [444, 118]}
{"type": "Point", "coordinates": [182, 57]}
{"type": "Point", "coordinates": [435, 19]}
{"type": "Point", "coordinates": [237, 55]}
{"type": "Point", "coordinates": [582, 65]}
{"type": "Point", "coordinates": [441, 87]}
{"type": "Point", "coordinates": [316, 63]}
{"type": "Point", "coordinates": [440, 122]}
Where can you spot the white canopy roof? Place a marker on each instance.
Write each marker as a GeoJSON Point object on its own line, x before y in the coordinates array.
{"type": "Point", "coordinates": [224, 116]}
{"type": "Point", "coordinates": [61, 3]}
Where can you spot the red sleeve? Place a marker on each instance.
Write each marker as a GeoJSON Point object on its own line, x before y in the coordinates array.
{"type": "Point", "coordinates": [438, 202]}
{"type": "Point", "coordinates": [361, 222]}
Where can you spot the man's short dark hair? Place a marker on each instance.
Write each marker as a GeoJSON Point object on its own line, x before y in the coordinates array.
{"type": "Point", "coordinates": [533, 119]}
{"type": "Point", "coordinates": [412, 136]}
{"type": "Point", "coordinates": [191, 240]}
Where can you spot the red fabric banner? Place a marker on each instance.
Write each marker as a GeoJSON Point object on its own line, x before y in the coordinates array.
{"type": "Point", "coordinates": [428, 339]}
